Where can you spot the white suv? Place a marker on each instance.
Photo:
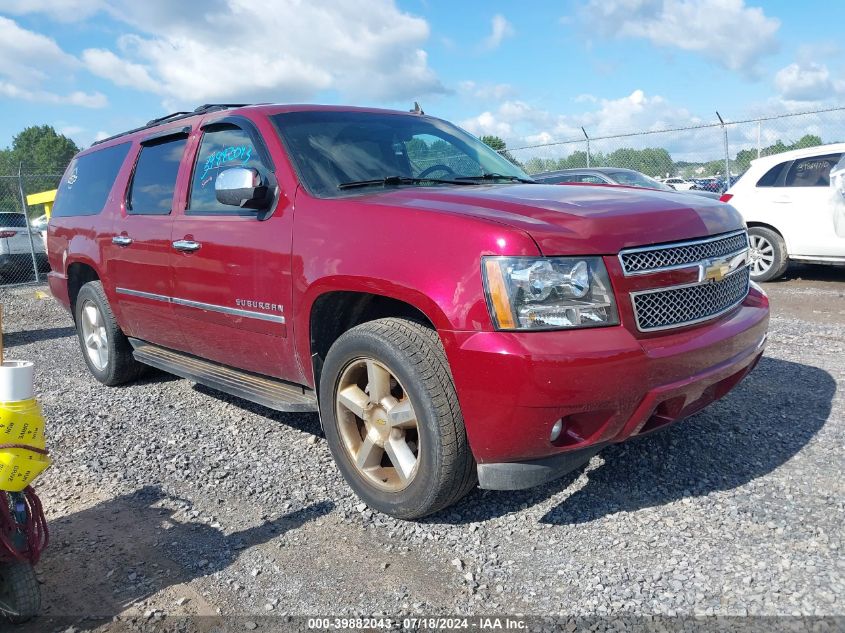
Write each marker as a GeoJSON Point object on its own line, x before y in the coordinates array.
{"type": "Point", "coordinates": [789, 207]}
{"type": "Point", "coordinates": [679, 183]}
{"type": "Point", "coordinates": [16, 248]}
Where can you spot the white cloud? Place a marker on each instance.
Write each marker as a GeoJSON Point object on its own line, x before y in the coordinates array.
{"type": "Point", "coordinates": [26, 57]}
{"type": "Point", "coordinates": [71, 130]}
{"type": "Point", "coordinates": [280, 50]}
{"type": "Point", "coordinates": [488, 92]}
{"type": "Point", "coordinates": [63, 10]}
{"type": "Point", "coordinates": [76, 98]}
{"type": "Point", "coordinates": [106, 64]}
{"type": "Point", "coordinates": [807, 81]}
{"type": "Point", "coordinates": [500, 29]}
{"type": "Point", "coordinates": [520, 124]}
{"type": "Point", "coordinates": [727, 32]}
{"type": "Point", "coordinates": [29, 61]}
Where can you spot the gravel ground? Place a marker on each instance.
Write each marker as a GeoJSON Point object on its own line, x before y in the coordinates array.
{"type": "Point", "coordinates": [169, 499]}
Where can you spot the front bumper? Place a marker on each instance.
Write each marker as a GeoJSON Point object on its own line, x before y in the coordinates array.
{"type": "Point", "coordinates": [606, 384]}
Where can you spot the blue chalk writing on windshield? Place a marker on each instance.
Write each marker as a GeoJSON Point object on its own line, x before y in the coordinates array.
{"type": "Point", "coordinates": [233, 153]}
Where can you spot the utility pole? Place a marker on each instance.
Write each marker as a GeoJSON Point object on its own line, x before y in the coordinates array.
{"type": "Point", "coordinates": [588, 144]}
{"type": "Point", "coordinates": [28, 227]}
{"type": "Point", "coordinates": [727, 153]}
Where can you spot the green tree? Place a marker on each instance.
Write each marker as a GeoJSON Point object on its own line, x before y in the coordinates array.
{"type": "Point", "coordinates": [38, 150]}
{"type": "Point", "coordinates": [498, 144]}
{"type": "Point", "coordinates": [42, 151]}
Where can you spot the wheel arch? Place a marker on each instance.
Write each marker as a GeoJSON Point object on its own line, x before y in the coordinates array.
{"type": "Point", "coordinates": [79, 273]}
{"type": "Point", "coordinates": [335, 311]}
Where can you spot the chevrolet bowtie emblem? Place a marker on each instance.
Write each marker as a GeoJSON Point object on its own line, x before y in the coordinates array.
{"type": "Point", "coordinates": [716, 269]}
{"type": "Point", "coordinates": [716, 272]}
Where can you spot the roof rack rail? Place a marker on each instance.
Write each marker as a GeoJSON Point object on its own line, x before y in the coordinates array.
{"type": "Point", "coordinates": [175, 116]}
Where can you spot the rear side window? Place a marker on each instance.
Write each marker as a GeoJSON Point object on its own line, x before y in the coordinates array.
{"type": "Point", "coordinates": [811, 172]}
{"type": "Point", "coordinates": [590, 179]}
{"type": "Point", "coordinates": [770, 178]}
{"type": "Point", "coordinates": [88, 181]}
{"type": "Point", "coordinates": [555, 180]}
{"type": "Point", "coordinates": [154, 181]}
{"type": "Point", "coordinates": [16, 220]}
{"type": "Point", "coordinates": [219, 150]}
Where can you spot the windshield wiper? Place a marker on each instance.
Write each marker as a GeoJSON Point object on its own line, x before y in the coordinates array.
{"type": "Point", "coordinates": [396, 180]}
{"type": "Point", "coordinates": [495, 176]}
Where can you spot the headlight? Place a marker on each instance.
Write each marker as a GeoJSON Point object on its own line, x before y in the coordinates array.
{"type": "Point", "coordinates": [548, 293]}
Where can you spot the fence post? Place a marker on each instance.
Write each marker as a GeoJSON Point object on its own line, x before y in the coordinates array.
{"type": "Point", "coordinates": [28, 227]}
{"type": "Point", "coordinates": [727, 154]}
{"type": "Point", "coordinates": [759, 134]}
{"type": "Point", "coordinates": [588, 146]}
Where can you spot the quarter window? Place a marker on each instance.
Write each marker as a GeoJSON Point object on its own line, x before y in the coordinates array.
{"type": "Point", "coordinates": [770, 178]}
{"type": "Point", "coordinates": [220, 149]}
{"type": "Point", "coordinates": [88, 181]}
{"type": "Point", "coordinates": [154, 182]}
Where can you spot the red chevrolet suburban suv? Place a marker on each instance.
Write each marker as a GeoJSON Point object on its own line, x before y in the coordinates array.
{"type": "Point", "coordinates": [452, 321]}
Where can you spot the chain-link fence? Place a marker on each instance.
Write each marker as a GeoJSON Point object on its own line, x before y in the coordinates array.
{"type": "Point", "coordinates": [23, 228]}
{"type": "Point", "coordinates": [698, 155]}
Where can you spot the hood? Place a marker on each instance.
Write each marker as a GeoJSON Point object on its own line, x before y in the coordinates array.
{"type": "Point", "coordinates": [568, 220]}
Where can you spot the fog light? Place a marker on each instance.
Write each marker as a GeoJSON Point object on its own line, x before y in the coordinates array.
{"type": "Point", "coordinates": [556, 430]}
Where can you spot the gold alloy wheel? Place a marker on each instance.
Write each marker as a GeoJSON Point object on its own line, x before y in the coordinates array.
{"type": "Point", "coordinates": [94, 335]}
{"type": "Point", "coordinates": [378, 425]}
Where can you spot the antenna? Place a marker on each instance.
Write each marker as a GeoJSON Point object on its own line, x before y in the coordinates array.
{"type": "Point", "coordinates": [417, 109]}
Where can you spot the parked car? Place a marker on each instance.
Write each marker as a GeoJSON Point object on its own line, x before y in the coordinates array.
{"type": "Point", "coordinates": [39, 225]}
{"type": "Point", "coordinates": [452, 320]}
{"type": "Point", "coordinates": [16, 248]}
{"type": "Point", "coordinates": [679, 184]}
{"type": "Point", "coordinates": [610, 176]}
{"type": "Point", "coordinates": [714, 185]}
{"type": "Point", "coordinates": [788, 205]}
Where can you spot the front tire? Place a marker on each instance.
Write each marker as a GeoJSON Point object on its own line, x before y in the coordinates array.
{"type": "Point", "coordinates": [105, 348]}
{"type": "Point", "coordinates": [768, 256]}
{"type": "Point", "coordinates": [392, 420]}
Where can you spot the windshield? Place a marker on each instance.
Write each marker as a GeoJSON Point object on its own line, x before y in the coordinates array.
{"type": "Point", "coordinates": [636, 179]}
{"type": "Point", "coordinates": [333, 148]}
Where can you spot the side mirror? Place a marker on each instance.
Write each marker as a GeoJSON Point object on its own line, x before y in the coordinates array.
{"type": "Point", "coordinates": [242, 187]}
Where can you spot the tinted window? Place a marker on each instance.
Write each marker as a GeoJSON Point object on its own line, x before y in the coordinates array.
{"type": "Point", "coordinates": [88, 180]}
{"type": "Point", "coordinates": [636, 179]}
{"type": "Point", "coordinates": [154, 182]}
{"type": "Point", "coordinates": [220, 150]}
{"type": "Point", "coordinates": [330, 148]}
{"type": "Point", "coordinates": [590, 179]}
{"type": "Point", "coordinates": [12, 219]}
{"type": "Point", "coordinates": [811, 172]}
{"type": "Point", "coordinates": [553, 180]}
{"type": "Point", "coordinates": [770, 178]}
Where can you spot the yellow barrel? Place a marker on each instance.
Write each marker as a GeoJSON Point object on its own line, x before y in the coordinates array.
{"type": "Point", "coordinates": [21, 431]}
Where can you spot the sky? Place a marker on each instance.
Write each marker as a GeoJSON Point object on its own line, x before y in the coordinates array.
{"type": "Point", "coordinates": [528, 72]}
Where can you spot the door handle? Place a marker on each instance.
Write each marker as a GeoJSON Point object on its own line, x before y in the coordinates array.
{"type": "Point", "coordinates": [186, 246]}
{"type": "Point", "coordinates": [121, 240]}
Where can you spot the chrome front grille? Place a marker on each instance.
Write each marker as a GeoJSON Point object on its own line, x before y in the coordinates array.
{"type": "Point", "coordinates": [648, 259]}
{"type": "Point", "coordinates": [685, 305]}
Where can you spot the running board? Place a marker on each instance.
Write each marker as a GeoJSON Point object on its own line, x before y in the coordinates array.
{"type": "Point", "coordinates": [269, 392]}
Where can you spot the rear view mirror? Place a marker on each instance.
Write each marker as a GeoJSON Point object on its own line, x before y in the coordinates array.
{"type": "Point", "coordinates": [242, 187]}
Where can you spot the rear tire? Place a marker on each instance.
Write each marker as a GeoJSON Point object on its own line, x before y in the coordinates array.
{"type": "Point", "coordinates": [405, 452]}
{"type": "Point", "coordinates": [769, 259]}
{"type": "Point", "coordinates": [105, 348]}
{"type": "Point", "coordinates": [20, 593]}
